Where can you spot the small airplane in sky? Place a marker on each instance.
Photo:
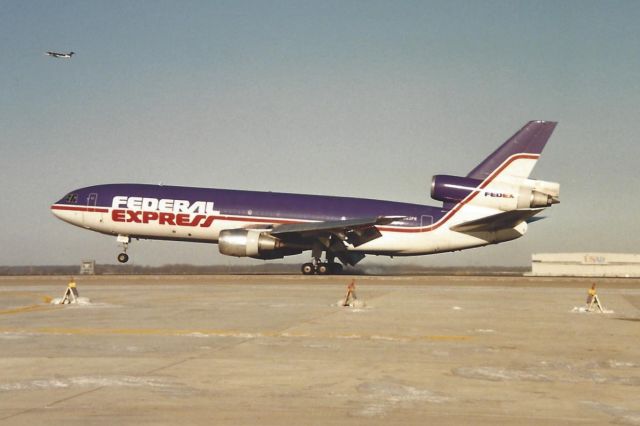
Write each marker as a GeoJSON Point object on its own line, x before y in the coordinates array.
{"type": "Point", "coordinates": [492, 204]}
{"type": "Point", "coordinates": [60, 55]}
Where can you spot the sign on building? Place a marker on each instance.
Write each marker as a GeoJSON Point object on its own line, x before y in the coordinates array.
{"type": "Point", "coordinates": [88, 267]}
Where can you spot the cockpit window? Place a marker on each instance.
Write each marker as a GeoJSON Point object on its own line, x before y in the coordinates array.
{"type": "Point", "coordinates": [71, 198]}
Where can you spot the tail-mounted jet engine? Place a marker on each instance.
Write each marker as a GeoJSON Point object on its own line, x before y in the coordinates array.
{"type": "Point", "coordinates": [253, 243]}
{"type": "Point", "coordinates": [522, 194]}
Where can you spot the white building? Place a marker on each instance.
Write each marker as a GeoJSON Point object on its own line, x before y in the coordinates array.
{"type": "Point", "coordinates": [585, 265]}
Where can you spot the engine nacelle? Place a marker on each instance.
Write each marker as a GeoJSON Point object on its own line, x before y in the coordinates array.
{"type": "Point", "coordinates": [539, 199]}
{"type": "Point", "coordinates": [549, 188]}
{"type": "Point", "coordinates": [506, 196]}
{"type": "Point", "coordinates": [253, 243]}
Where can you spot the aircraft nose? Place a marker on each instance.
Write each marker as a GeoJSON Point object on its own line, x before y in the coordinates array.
{"type": "Point", "coordinates": [65, 208]}
{"type": "Point", "coordinates": [54, 210]}
{"type": "Point", "coordinates": [57, 210]}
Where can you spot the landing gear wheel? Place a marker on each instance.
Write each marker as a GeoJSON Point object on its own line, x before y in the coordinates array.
{"type": "Point", "coordinates": [323, 269]}
{"type": "Point", "coordinates": [123, 258]}
{"type": "Point", "coordinates": [308, 269]}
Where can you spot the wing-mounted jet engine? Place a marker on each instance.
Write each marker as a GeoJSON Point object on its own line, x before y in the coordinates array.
{"type": "Point", "coordinates": [254, 243]}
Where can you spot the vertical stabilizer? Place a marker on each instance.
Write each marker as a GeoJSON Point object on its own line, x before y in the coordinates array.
{"type": "Point", "coordinates": [501, 182]}
{"type": "Point", "coordinates": [518, 155]}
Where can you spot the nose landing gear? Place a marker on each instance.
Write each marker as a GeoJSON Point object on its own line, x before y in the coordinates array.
{"type": "Point", "coordinates": [125, 240]}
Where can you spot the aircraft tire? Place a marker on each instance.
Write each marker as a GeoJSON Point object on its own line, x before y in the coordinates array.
{"type": "Point", "coordinates": [123, 258]}
{"type": "Point", "coordinates": [323, 269]}
{"type": "Point", "coordinates": [308, 269]}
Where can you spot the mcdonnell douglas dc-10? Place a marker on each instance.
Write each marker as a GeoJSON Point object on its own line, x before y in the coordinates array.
{"type": "Point", "coordinates": [493, 203]}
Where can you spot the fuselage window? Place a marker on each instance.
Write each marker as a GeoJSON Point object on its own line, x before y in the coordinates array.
{"type": "Point", "coordinates": [71, 198]}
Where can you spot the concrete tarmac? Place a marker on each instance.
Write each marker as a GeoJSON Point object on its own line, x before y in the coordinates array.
{"type": "Point", "coordinates": [278, 350]}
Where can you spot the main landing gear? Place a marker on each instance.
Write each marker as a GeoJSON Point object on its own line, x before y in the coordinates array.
{"type": "Point", "coordinates": [321, 268]}
{"type": "Point", "coordinates": [125, 240]}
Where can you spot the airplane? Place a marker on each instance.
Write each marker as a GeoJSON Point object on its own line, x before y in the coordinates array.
{"type": "Point", "coordinates": [492, 204]}
{"type": "Point", "coordinates": [60, 55]}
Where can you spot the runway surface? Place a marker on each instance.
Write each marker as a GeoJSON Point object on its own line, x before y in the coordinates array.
{"type": "Point", "coordinates": [279, 350]}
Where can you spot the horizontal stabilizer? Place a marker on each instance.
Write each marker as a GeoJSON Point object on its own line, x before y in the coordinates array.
{"type": "Point", "coordinates": [498, 221]}
{"type": "Point", "coordinates": [535, 219]}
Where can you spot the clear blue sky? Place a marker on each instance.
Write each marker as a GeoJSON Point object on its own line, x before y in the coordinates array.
{"type": "Point", "coordinates": [347, 98]}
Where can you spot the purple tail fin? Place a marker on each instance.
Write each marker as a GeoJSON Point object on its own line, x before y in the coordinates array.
{"type": "Point", "coordinates": [531, 139]}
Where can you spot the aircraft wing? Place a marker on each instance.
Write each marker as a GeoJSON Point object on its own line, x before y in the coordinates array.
{"type": "Point", "coordinates": [354, 231]}
{"type": "Point", "coordinates": [497, 221]}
